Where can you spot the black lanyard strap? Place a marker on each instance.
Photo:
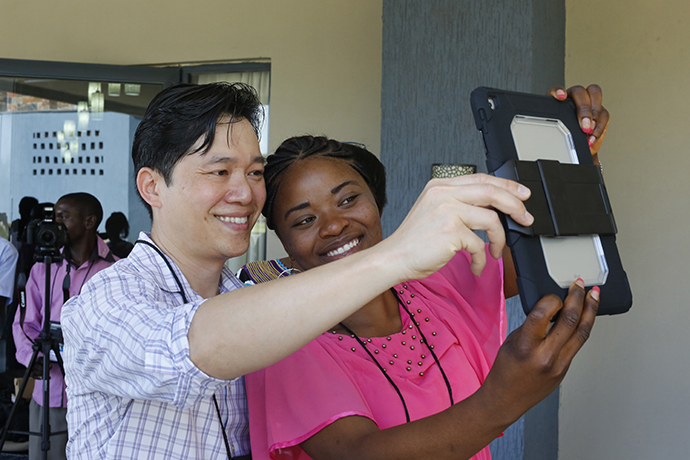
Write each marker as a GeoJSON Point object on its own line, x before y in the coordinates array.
{"type": "Point", "coordinates": [184, 299]}
{"type": "Point", "coordinates": [167, 262]}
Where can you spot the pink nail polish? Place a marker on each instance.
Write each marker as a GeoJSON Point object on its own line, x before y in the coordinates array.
{"type": "Point", "coordinates": [595, 292]}
{"type": "Point", "coordinates": [587, 125]}
{"type": "Point", "coordinates": [591, 140]}
{"type": "Point", "coordinates": [580, 282]}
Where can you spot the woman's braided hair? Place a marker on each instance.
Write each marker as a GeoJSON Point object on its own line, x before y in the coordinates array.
{"type": "Point", "coordinates": [295, 149]}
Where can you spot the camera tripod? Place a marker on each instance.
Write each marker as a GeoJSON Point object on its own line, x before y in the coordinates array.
{"type": "Point", "coordinates": [47, 341]}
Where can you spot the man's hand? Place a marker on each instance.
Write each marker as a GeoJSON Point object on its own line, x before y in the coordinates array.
{"type": "Point", "coordinates": [37, 369]}
{"type": "Point", "coordinates": [444, 218]}
{"type": "Point", "coordinates": [536, 356]}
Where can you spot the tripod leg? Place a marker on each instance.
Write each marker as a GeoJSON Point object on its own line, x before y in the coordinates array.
{"type": "Point", "coordinates": [58, 355]}
{"type": "Point", "coordinates": [45, 409]}
{"type": "Point", "coordinates": [22, 387]}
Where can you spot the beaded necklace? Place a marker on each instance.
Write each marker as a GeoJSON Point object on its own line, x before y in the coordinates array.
{"type": "Point", "coordinates": [422, 340]}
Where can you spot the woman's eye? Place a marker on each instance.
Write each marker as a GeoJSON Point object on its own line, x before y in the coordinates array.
{"type": "Point", "coordinates": [220, 172]}
{"type": "Point", "coordinates": [349, 200]}
{"type": "Point", "coordinates": [257, 173]}
{"type": "Point", "coordinates": [304, 221]}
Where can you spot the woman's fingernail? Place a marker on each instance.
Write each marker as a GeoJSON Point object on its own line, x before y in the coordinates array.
{"type": "Point", "coordinates": [560, 94]}
{"type": "Point", "coordinates": [595, 292]}
{"type": "Point", "coordinates": [587, 125]}
{"type": "Point", "coordinates": [580, 282]}
{"type": "Point", "coordinates": [591, 140]}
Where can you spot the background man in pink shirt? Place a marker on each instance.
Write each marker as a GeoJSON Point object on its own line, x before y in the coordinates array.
{"type": "Point", "coordinates": [85, 254]}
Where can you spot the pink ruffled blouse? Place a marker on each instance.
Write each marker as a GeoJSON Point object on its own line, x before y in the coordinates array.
{"type": "Point", "coordinates": [462, 317]}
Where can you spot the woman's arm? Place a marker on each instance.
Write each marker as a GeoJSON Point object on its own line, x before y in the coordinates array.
{"type": "Point", "coordinates": [594, 120]}
{"type": "Point", "coordinates": [529, 366]}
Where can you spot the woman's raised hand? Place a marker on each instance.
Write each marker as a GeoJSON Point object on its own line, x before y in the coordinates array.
{"type": "Point", "coordinates": [536, 356]}
{"type": "Point", "coordinates": [594, 118]}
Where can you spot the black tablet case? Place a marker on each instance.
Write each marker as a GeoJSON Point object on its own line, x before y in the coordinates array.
{"type": "Point", "coordinates": [494, 111]}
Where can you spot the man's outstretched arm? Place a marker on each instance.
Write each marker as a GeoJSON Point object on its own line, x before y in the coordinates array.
{"type": "Point", "coordinates": [248, 329]}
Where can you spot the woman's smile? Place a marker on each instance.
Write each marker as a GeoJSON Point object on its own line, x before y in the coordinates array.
{"type": "Point", "coordinates": [344, 248]}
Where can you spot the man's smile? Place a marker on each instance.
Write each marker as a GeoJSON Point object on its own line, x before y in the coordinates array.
{"type": "Point", "coordinates": [233, 220]}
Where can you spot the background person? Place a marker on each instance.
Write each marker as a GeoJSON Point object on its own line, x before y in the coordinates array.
{"type": "Point", "coordinates": [85, 254]}
{"type": "Point", "coordinates": [8, 265]}
{"type": "Point", "coordinates": [117, 228]}
{"type": "Point", "coordinates": [18, 226]}
{"type": "Point", "coordinates": [29, 209]}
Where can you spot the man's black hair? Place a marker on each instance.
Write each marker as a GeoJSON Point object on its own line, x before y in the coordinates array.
{"type": "Point", "coordinates": [179, 116]}
{"type": "Point", "coordinates": [300, 148]}
{"type": "Point", "coordinates": [87, 204]}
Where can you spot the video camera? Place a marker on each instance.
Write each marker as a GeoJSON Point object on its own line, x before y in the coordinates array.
{"type": "Point", "coordinates": [46, 234]}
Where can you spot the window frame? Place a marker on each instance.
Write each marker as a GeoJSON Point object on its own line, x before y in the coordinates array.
{"type": "Point", "coordinates": [19, 68]}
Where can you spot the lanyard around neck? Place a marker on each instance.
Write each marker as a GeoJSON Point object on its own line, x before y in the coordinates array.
{"type": "Point", "coordinates": [184, 299]}
{"type": "Point", "coordinates": [381, 368]}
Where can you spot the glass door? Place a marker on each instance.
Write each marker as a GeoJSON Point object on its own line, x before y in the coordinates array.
{"type": "Point", "coordinates": [67, 127]}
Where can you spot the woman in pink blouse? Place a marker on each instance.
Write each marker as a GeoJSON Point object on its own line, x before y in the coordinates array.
{"type": "Point", "coordinates": [418, 372]}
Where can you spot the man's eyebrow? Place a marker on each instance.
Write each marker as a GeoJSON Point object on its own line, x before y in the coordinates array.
{"type": "Point", "coordinates": [218, 159]}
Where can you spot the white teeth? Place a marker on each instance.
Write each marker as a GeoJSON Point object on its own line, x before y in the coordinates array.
{"type": "Point", "coordinates": [344, 248]}
{"type": "Point", "coordinates": [233, 220]}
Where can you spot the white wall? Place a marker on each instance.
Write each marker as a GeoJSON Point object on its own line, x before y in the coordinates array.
{"type": "Point", "coordinates": [626, 396]}
{"type": "Point", "coordinates": [103, 150]}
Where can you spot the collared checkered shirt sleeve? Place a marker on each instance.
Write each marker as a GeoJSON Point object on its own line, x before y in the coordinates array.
{"type": "Point", "coordinates": [132, 390]}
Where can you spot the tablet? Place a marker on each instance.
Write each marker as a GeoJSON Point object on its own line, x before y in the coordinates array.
{"type": "Point", "coordinates": [537, 141]}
